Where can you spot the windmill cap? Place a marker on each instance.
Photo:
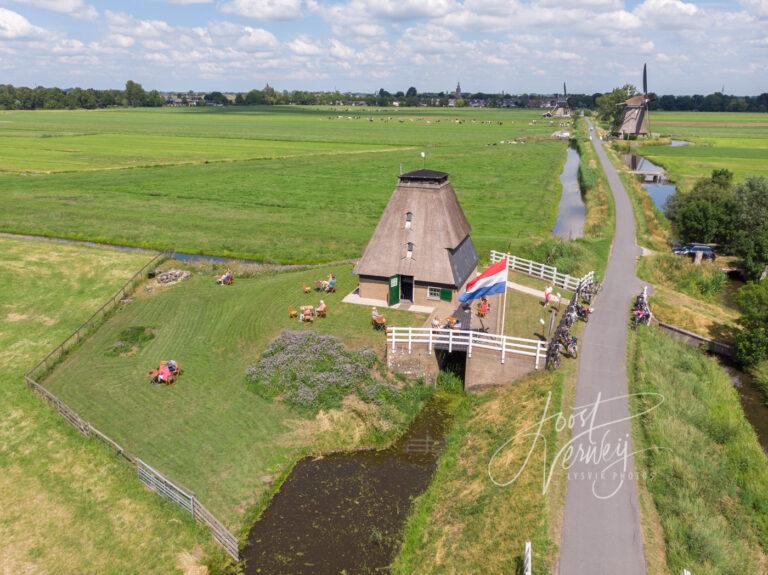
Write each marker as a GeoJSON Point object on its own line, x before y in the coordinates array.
{"type": "Point", "coordinates": [424, 176]}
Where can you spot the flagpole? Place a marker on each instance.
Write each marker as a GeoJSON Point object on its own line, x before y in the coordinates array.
{"type": "Point", "coordinates": [504, 305]}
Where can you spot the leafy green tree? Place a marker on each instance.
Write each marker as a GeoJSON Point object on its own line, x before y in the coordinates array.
{"type": "Point", "coordinates": [752, 340]}
{"type": "Point", "coordinates": [255, 97]}
{"type": "Point", "coordinates": [750, 240]}
{"type": "Point", "coordinates": [706, 213]}
{"type": "Point", "coordinates": [134, 94]}
{"type": "Point", "coordinates": [610, 108]}
{"type": "Point", "coordinates": [216, 98]}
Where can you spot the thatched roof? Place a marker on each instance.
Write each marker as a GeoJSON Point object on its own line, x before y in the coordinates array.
{"type": "Point", "coordinates": [638, 100]}
{"type": "Point", "coordinates": [635, 121]}
{"type": "Point", "coordinates": [443, 252]}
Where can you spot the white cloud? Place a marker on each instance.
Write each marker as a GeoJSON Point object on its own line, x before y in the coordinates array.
{"type": "Point", "coordinates": [257, 39]}
{"type": "Point", "coordinates": [189, 2]}
{"type": "Point", "coordinates": [127, 25]}
{"type": "Point", "coordinates": [665, 10]}
{"type": "Point", "coordinates": [756, 7]}
{"type": "Point", "coordinates": [75, 8]}
{"type": "Point", "coordinates": [341, 51]}
{"type": "Point", "coordinates": [304, 46]}
{"type": "Point", "coordinates": [14, 25]}
{"type": "Point", "coordinates": [264, 9]}
{"type": "Point", "coordinates": [120, 40]}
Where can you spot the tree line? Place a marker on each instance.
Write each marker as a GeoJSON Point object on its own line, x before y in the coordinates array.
{"type": "Point", "coordinates": [41, 98]}
{"type": "Point", "coordinates": [134, 95]}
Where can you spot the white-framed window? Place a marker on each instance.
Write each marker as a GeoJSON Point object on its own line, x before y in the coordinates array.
{"type": "Point", "coordinates": [408, 220]}
{"type": "Point", "coordinates": [409, 250]}
{"type": "Point", "coordinates": [433, 292]}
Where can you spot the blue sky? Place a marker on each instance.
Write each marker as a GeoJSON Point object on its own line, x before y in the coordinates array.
{"type": "Point", "coordinates": [362, 45]}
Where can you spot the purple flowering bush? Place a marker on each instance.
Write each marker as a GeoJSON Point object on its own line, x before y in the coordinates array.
{"type": "Point", "coordinates": [312, 371]}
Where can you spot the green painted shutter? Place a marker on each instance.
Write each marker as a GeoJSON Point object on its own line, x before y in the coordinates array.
{"type": "Point", "coordinates": [446, 294]}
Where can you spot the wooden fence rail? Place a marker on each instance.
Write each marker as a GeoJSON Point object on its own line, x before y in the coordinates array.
{"type": "Point", "coordinates": [152, 478]}
{"type": "Point", "coordinates": [543, 271]}
{"type": "Point", "coordinates": [465, 341]}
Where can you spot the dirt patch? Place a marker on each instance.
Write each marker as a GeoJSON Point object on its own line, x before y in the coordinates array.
{"type": "Point", "coordinates": [188, 562]}
{"type": "Point", "coordinates": [44, 319]}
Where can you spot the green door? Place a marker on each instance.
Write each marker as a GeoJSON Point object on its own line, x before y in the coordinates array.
{"type": "Point", "coordinates": [394, 290]}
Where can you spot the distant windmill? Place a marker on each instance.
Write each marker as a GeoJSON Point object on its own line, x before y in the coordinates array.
{"type": "Point", "coordinates": [637, 120]}
{"type": "Point", "coordinates": [561, 109]}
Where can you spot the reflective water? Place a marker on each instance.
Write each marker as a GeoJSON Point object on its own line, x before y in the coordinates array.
{"type": "Point", "coordinates": [572, 211]}
{"type": "Point", "coordinates": [678, 143]}
{"type": "Point", "coordinates": [752, 401]}
{"type": "Point", "coordinates": [660, 193]}
{"type": "Point", "coordinates": [344, 513]}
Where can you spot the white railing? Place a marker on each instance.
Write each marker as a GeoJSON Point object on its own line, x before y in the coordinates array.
{"type": "Point", "coordinates": [459, 340]}
{"type": "Point", "coordinates": [543, 271]}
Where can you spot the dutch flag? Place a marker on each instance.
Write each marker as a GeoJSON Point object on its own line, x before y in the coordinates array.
{"type": "Point", "coordinates": [491, 282]}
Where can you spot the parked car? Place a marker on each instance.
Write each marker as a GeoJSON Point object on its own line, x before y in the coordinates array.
{"type": "Point", "coordinates": [707, 253]}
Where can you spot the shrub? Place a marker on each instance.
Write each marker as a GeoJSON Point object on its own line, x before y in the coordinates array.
{"type": "Point", "coordinates": [131, 340]}
{"type": "Point", "coordinates": [312, 371]}
{"type": "Point", "coordinates": [565, 256]}
{"type": "Point", "coordinates": [704, 281]}
{"type": "Point", "coordinates": [752, 340]}
{"type": "Point", "coordinates": [760, 373]}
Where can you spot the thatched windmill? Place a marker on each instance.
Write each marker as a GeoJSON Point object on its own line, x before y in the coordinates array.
{"type": "Point", "coordinates": [636, 117]}
{"type": "Point", "coordinates": [561, 109]}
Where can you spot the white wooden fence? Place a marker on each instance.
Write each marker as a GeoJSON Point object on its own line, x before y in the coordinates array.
{"type": "Point", "coordinates": [543, 271]}
{"type": "Point", "coordinates": [458, 340]}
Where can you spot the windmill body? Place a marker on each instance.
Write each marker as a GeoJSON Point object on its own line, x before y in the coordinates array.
{"type": "Point", "coordinates": [561, 109]}
{"type": "Point", "coordinates": [636, 120]}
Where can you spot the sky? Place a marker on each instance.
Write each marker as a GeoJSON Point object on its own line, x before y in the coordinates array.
{"type": "Point", "coordinates": [514, 46]}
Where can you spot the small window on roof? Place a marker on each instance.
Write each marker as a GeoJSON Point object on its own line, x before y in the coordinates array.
{"type": "Point", "coordinates": [409, 250]}
{"type": "Point", "coordinates": [408, 220]}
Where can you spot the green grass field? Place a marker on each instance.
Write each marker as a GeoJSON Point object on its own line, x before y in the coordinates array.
{"type": "Point", "coordinates": [210, 432]}
{"type": "Point", "coordinates": [314, 197]}
{"type": "Point", "coordinates": [738, 142]}
{"type": "Point", "coordinates": [67, 505]}
{"type": "Point", "coordinates": [699, 458]}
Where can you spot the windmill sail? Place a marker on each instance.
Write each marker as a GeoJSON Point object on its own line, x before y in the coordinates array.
{"type": "Point", "coordinates": [645, 80]}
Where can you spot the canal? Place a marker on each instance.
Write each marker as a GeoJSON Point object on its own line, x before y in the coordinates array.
{"type": "Point", "coordinates": [345, 512]}
{"type": "Point", "coordinates": [572, 211]}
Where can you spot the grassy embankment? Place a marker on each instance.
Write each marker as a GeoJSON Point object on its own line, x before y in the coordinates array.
{"type": "Point", "coordinates": [465, 523]}
{"type": "Point", "coordinates": [67, 505]}
{"type": "Point", "coordinates": [210, 432]}
{"type": "Point", "coordinates": [712, 511]}
{"type": "Point", "coordinates": [315, 195]}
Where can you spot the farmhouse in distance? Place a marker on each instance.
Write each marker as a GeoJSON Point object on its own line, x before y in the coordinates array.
{"type": "Point", "coordinates": [421, 249]}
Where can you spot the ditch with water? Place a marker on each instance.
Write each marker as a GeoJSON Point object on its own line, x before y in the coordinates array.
{"type": "Point", "coordinates": [571, 211]}
{"type": "Point", "coordinates": [659, 188]}
{"type": "Point", "coordinates": [345, 512]}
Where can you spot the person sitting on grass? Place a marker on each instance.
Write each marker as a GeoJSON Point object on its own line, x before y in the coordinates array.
{"type": "Point", "coordinates": [321, 309]}
{"type": "Point", "coordinates": [161, 375]}
{"type": "Point", "coordinates": [226, 279]}
{"type": "Point", "coordinates": [306, 314]}
{"type": "Point", "coordinates": [173, 367]}
{"type": "Point", "coordinates": [331, 284]}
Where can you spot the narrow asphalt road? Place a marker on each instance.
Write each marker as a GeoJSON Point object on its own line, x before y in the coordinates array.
{"type": "Point", "coordinates": [601, 530]}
